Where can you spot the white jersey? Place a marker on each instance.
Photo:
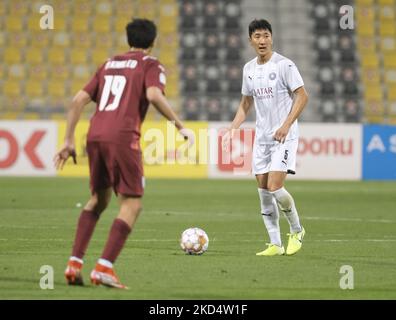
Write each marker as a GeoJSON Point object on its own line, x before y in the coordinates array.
{"type": "Point", "coordinates": [271, 85]}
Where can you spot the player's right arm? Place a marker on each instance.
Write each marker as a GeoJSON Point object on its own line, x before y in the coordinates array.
{"type": "Point", "coordinates": [80, 100]}
{"type": "Point", "coordinates": [244, 106]}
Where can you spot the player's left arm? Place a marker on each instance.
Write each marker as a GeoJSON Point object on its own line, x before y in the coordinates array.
{"type": "Point", "coordinates": [300, 101]}
{"type": "Point", "coordinates": [158, 100]}
{"type": "Point", "coordinates": [80, 100]}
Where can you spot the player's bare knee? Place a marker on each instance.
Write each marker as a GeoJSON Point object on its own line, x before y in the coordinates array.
{"type": "Point", "coordinates": [101, 206]}
{"type": "Point", "coordinates": [97, 204]}
{"type": "Point", "coordinates": [272, 187]}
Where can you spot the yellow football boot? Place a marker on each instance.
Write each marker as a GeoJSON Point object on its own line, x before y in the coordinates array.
{"type": "Point", "coordinates": [295, 242]}
{"type": "Point", "coordinates": [272, 250]}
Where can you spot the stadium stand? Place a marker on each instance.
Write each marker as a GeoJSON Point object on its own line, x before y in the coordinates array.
{"type": "Point", "coordinates": [376, 32]}
{"type": "Point", "coordinates": [210, 58]}
{"type": "Point", "coordinates": [43, 69]}
{"type": "Point", "coordinates": [350, 74]}
{"type": "Point", "coordinates": [337, 64]}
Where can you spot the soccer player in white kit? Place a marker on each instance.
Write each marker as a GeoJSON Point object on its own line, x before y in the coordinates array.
{"type": "Point", "coordinates": [274, 84]}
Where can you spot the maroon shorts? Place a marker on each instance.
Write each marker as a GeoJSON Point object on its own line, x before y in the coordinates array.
{"type": "Point", "coordinates": [116, 166]}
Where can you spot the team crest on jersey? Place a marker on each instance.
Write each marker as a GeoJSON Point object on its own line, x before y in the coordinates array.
{"type": "Point", "coordinates": [272, 76]}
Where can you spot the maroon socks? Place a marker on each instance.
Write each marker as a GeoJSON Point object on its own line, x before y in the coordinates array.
{"type": "Point", "coordinates": [118, 235]}
{"type": "Point", "coordinates": [85, 228]}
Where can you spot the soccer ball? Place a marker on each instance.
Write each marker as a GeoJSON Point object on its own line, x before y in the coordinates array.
{"type": "Point", "coordinates": [194, 241]}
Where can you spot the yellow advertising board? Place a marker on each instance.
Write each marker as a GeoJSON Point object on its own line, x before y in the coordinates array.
{"type": "Point", "coordinates": [166, 154]}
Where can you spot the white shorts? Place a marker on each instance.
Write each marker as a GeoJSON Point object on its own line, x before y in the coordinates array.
{"type": "Point", "coordinates": [275, 157]}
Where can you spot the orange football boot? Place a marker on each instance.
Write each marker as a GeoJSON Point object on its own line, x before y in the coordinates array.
{"type": "Point", "coordinates": [73, 273]}
{"type": "Point", "coordinates": [106, 276]}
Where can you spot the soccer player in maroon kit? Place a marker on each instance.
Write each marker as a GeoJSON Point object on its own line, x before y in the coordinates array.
{"type": "Point", "coordinates": [122, 88]}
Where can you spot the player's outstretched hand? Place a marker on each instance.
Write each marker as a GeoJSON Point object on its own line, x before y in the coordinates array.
{"type": "Point", "coordinates": [63, 154]}
{"type": "Point", "coordinates": [226, 140]}
{"type": "Point", "coordinates": [188, 134]}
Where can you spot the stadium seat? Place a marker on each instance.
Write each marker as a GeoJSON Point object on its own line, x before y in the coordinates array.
{"type": "Point", "coordinates": [168, 25]}
{"type": "Point", "coordinates": [104, 40]}
{"type": "Point", "coordinates": [78, 56]}
{"type": "Point", "coordinates": [12, 88]}
{"type": "Point", "coordinates": [371, 76]}
{"type": "Point", "coordinates": [124, 11]}
{"type": "Point", "coordinates": [388, 44]}
{"type": "Point", "coordinates": [11, 115]}
{"type": "Point", "coordinates": [172, 90]}
{"type": "Point", "coordinates": [12, 55]}
{"type": "Point", "coordinates": [3, 71]}
{"type": "Point", "coordinates": [366, 44]}
{"type": "Point", "coordinates": [99, 56]}
{"type": "Point", "coordinates": [385, 2]}
{"type": "Point", "coordinates": [364, 29]}
{"type": "Point", "coordinates": [387, 29]}
{"type": "Point", "coordinates": [3, 38]}
{"type": "Point", "coordinates": [56, 89]}
{"type": "Point", "coordinates": [33, 22]}
{"type": "Point", "coordinates": [81, 72]}
{"type": "Point", "coordinates": [16, 71]}
{"type": "Point", "coordinates": [104, 9]}
{"type": "Point", "coordinates": [61, 40]}
{"type": "Point", "coordinates": [101, 24]}
{"type": "Point", "coordinates": [120, 25]}
{"type": "Point", "coordinates": [365, 14]}
{"type": "Point", "coordinates": [373, 93]}
{"type": "Point", "coordinates": [390, 60]}
{"type": "Point", "coordinates": [62, 8]}
{"type": "Point", "coordinates": [31, 116]}
{"type": "Point", "coordinates": [17, 40]}
{"type": "Point", "coordinates": [374, 111]}
{"type": "Point", "coordinates": [364, 2]}
{"type": "Point", "coordinates": [390, 76]}
{"type": "Point", "coordinates": [191, 108]}
{"type": "Point", "coordinates": [391, 92]}
{"type": "Point", "coordinates": [59, 72]}
{"type": "Point", "coordinates": [370, 60]}
{"type": "Point", "coordinates": [82, 40]}
{"type": "Point", "coordinates": [14, 23]}
{"type": "Point", "coordinates": [60, 23]}
{"type": "Point", "coordinates": [76, 86]}
{"type": "Point", "coordinates": [386, 13]}
{"type": "Point", "coordinates": [56, 55]}
{"type": "Point", "coordinates": [79, 24]}
{"type": "Point", "coordinates": [392, 112]}
{"type": "Point", "coordinates": [34, 89]}
{"type": "Point", "coordinates": [3, 7]}
{"type": "Point", "coordinates": [39, 39]}
{"type": "Point", "coordinates": [351, 110]}
{"type": "Point", "coordinates": [38, 72]}
{"type": "Point", "coordinates": [34, 55]}
{"type": "Point", "coordinates": [83, 8]}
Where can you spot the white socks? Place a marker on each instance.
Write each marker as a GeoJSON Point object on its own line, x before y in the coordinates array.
{"type": "Point", "coordinates": [105, 263]}
{"type": "Point", "coordinates": [286, 204]}
{"type": "Point", "coordinates": [270, 214]}
{"type": "Point", "coordinates": [73, 258]}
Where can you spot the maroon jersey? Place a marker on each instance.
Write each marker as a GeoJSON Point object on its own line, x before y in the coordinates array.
{"type": "Point", "coordinates": [119, 89]}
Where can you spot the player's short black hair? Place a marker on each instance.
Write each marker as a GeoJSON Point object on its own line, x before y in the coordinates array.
{"type": "Point", "coordinates": [259, 25]}
{"type": "Point", "coordinates": [141, 33]}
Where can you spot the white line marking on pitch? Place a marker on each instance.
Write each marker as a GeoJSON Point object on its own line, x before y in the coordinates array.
{"type": "Point", "coordinates": [187, 213]}
{"type": "Point", "coordinates": [212, 240]}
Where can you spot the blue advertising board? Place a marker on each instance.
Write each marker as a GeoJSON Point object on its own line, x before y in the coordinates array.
{"type": "Point", "coordinates": [379, 152]}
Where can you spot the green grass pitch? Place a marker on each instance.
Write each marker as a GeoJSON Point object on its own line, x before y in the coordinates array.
{"type": "Point", "coordinates": [347, 223]}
